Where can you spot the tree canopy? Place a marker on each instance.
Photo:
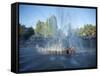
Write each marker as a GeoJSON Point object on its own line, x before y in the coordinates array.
{"type": "Point", "coordinates": [48, 28]}
{"type": "Point", "coordinates": [25, 32]}
{"type": "Point", "coordinates": [88, 30]}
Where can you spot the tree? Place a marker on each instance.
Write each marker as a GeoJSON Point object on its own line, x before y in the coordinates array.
{"type": "Point", "coordinates": [21, 29]}
{"type": "Point", "coordinates": [40, 28]}
{"type": "Point", "coordinates": [25, 32]}
{"type": "Point", "coordinates": [48, 28]}
{"type": "Point", "coordinates": [28, 33]}
{"type": "Point", "coordinates": [88, 30]}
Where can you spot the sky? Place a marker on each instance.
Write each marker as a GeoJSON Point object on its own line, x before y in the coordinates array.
{"type": "Point", "coordinates": [77, 17]}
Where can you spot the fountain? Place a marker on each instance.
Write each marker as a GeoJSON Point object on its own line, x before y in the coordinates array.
{"type": "Point", "coordinates": [56, 44]}
{"type": "Point", "coordinates": [64, 40]}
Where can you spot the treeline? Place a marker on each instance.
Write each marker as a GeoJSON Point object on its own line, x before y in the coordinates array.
{"type": "Point", "coordinates": [47, 28]}
{"type": "Point", "coordinates": [88, 30]}
{"type": "Point", "coordinates": [25, 32]}
{"type": "Point", "coordinates": [43, 29]}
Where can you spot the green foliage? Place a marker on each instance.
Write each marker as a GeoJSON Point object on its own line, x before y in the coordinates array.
{"type": "Point", "coordinates": [88, 30]}
{"type": "Point", "coordinates": [25, 32]}
{"type": "Point", "coordinates": [39, 27]}
{"type": "Point", "coordinates": [21, 29]}
{"type": "Point", "coordinates": [46, 29]}
{"type": "Point", "coordinates": [29, 32]}
{"type": "Point", "coordinates": [49, 28]}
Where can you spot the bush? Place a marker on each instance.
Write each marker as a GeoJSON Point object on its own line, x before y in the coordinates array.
{"type": "Point", "coordinates": [25, 32]}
